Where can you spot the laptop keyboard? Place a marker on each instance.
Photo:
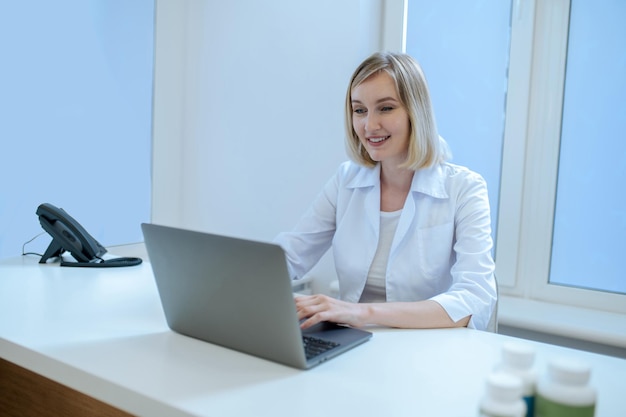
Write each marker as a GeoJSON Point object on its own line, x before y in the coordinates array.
{"type": "Point", "coordinates": [314, 346]}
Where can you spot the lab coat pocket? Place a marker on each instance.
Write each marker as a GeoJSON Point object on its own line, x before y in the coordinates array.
{"type": "Point", "coordinates": [435, 250]}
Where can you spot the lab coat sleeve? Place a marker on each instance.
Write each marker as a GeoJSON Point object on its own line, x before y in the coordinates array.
{"type": "Point", "coordinates": [312, 236]}
{"type": "Point", "coordinates": [473, 289]}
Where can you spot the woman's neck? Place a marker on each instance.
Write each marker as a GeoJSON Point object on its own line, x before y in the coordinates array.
{"type": "Point", "coordinates": [395, 184]}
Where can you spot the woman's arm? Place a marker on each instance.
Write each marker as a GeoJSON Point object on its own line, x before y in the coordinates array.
{"type": "Point", "coordinates": [414, 314]}
{"type": "Point", "coordinates": [310, 239]}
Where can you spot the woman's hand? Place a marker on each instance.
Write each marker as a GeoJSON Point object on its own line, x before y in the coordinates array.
{"type": "Point", "coordinates": [318, 308]}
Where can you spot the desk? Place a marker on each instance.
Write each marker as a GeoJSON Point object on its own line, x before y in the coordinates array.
{"type": "Point", "coordinates": [102, 332]}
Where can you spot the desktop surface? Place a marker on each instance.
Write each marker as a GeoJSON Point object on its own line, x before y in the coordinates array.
{"type": "Point", "coordinates": [102, 332]}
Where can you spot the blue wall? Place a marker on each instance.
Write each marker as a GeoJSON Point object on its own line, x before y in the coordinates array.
{"type": "Point", "coordinates": [75, 117]}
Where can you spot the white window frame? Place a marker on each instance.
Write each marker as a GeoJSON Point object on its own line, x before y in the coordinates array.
{"type": "Point", "coordinates": [545, 25]}
{"type": "Point", "coordinates": [539, 34]}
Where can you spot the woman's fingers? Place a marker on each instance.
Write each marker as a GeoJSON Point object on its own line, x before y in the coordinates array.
{"type": "Point", "coordinates": [318, 308]}
{"type": "Point", "coordinates": [309, 306]}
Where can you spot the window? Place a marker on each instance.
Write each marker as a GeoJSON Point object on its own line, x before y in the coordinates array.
{"type": "Point", "coordinates": [554, 215]}
{"type": "Point", "coordinates": [466, 70]}
{"type": "Point", "coordinates": [75, 117]}
{"type": "Point", "coordinates": [559, 211]}
{"type": "Point", "coordinates": [590, 212]}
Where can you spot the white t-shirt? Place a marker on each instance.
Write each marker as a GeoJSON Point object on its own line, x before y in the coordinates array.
{"type": "Point", "coordinates": [374, 291]}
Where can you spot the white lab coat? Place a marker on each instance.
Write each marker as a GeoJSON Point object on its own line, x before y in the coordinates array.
{"type": "Point", "coordinates": [441, 250]}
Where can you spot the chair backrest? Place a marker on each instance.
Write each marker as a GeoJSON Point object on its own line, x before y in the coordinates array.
{"type": "Point", "coordinates": [492, 326]}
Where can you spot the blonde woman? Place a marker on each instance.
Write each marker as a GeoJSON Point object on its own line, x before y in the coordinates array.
{"type": "Point", "coordinates": [410, 232]}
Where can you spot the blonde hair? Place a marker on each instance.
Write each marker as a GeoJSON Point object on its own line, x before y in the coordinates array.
{"type": "Point", "coordinates": [426, 148]}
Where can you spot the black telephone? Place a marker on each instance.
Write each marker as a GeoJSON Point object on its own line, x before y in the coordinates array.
{"type": "Point", "coordinates": [68, 235]}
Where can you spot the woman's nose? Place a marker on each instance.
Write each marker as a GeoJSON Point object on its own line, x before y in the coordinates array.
{"type": "Point", "coordinates": [372, 123]}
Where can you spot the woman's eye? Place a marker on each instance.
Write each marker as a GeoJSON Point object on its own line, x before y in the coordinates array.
{"type": "Point", "coordinates": [359, 111]}
{"type": "Point", "coordinates": [386, 109]}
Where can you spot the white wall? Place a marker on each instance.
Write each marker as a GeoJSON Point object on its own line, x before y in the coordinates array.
{"type": "Point", "coordinates": [248, 111]}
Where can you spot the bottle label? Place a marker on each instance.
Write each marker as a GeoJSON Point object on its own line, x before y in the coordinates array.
{"type": "Point", "coordinates": [530, 406]}
{"type": "Point", "coordinates": [545, 407]}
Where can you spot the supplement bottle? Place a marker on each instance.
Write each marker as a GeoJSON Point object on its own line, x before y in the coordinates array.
{"type": "Point", "coordinates": [518, 359]}
{"type": "Point", "coordinates": [565, 390]}
{"type": "Point", "coordinates": [503, 397]}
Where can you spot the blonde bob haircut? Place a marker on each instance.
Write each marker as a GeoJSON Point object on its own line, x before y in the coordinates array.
{"type": "Point", "coordinates": [426, 148]}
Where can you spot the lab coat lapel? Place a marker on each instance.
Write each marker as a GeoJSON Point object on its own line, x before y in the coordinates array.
{"type": "Point", "coordinates": [372, 206]}
{"type": "Point", "coordinates": [404, 224]}
{"type": "Point", "coordinates": [368, 182]}
{"type": "Point", "coordinates": [372, 209]}
{"type": "Point", "coordinates": [428, 181]}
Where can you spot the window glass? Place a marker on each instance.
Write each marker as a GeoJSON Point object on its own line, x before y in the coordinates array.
{"type": "Point", "coordinates": [463, 48]}
{"type": "Point", "coordinates": [590, 216]}
{"type": "Point", "coordinates": [75, 117]}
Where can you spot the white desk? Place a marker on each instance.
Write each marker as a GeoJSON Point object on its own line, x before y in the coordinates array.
{"type": "Point", "coordinates": [102, 332]}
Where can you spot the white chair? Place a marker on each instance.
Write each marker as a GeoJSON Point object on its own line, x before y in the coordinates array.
{"type": "Point", "coordinates": [303, 286]}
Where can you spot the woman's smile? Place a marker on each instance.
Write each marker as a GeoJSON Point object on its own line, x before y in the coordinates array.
{"type": "Point", "coordinates": [378, 139]}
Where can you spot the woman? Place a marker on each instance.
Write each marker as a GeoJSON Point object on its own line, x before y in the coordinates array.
{"type": "Point", "coordinates": [410, 232]}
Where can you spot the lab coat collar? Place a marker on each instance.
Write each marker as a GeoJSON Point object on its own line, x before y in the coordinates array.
{"type": "Point", "coordinates": [430, 181]}
{"type": "Point", "coordinates": [365, 177]}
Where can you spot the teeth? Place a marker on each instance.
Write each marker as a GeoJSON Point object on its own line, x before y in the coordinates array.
{"type": "Point", "coordinates": [378, 140]}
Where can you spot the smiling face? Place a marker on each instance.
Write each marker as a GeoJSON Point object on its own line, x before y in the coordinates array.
{"type": "Point", "coordinates": [380, 120]}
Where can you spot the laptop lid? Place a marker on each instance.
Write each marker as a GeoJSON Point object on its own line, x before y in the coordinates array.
{"type": "Point", "coordinates": [235, 293]}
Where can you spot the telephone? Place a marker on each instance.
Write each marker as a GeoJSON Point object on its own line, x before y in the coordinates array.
{"type": "Point", "coordinates": [68, 235]}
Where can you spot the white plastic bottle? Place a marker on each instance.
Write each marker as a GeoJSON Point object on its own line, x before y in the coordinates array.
{"type": "Point", "coordinates": [503, 397]}
{"type": "Point", "coordinates": [518, 359]}
{"type": "Point", "coordinates": [565, 390]}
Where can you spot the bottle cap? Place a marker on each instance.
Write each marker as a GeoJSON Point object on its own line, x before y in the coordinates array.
{"type": "Point", "coordinates": [518, 355]}
{"type": "Point", "coordinates": [504, 387]}
{"type": "Point", "coordinates": [569, 371]}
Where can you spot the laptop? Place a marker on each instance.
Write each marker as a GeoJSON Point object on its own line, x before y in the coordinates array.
{"type": "Point", "coordinates": [237, 293]}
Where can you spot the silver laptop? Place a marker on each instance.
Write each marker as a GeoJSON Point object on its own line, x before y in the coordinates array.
{"type": "Point", "coordinates": [237, 293]}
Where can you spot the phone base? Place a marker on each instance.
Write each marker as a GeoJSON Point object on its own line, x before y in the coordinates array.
{"type": "Point", "coordinates": [54, 251]}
